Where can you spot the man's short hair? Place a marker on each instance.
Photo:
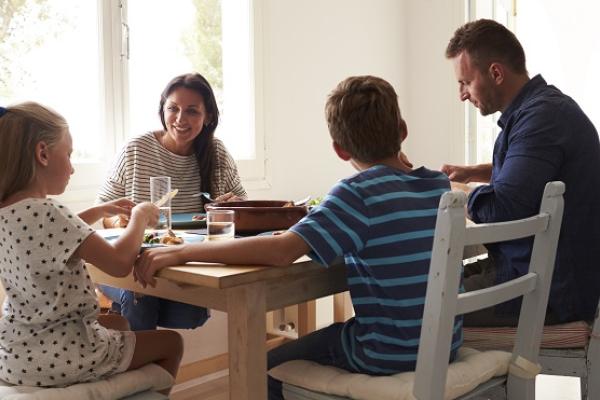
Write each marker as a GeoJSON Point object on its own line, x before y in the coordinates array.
{"type": "Point", "coordinates": [487, 41]}
{"type": "Point", "coordinates": [364, 118]}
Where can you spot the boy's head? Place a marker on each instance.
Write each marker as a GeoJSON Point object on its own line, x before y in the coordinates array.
{"type": "Point", "coordinates": [22, 127]}
{"type": "Point", "coordinates": [364, 118]}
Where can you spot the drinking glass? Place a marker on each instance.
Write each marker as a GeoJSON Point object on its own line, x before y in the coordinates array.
{"type": "Point", "coordinates": [220, 224]}
{"type": "Point", "coordinates": [160, 186]}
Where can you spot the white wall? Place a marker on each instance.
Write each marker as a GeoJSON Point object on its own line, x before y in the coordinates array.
{"type": "Point", "coordinates": [433, 111]}
{"type": "Point", "coordinates": [309, 46]}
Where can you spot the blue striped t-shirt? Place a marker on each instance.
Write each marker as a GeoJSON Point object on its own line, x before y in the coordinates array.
{"type": "Point", "coordinates": [381, 221]}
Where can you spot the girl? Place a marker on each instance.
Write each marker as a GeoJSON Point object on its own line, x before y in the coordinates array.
{"type": "Point", "coordinates": [50, 331]}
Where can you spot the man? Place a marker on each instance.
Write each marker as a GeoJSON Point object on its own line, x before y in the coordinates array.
{"type": "Point", "coordinates": [545, 137]}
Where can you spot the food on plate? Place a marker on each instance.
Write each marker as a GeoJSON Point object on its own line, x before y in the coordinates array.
{"type": "Point", "coordinates": [168, 238]}
{"type": "Point", "coordinates": [315, 201]}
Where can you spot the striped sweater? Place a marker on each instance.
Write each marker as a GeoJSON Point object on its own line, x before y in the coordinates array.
{"type": "Point", "coordinates": [382, 222]}
{"type": "Point", "coordinates": [144, 157]}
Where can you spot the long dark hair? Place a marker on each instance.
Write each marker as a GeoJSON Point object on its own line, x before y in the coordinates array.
{"type": "Point", "coordinates": [203, 144]}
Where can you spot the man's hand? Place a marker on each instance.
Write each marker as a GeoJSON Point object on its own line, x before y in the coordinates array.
{"type": "Point", "coordinates": [153, 260]}
{"type": "Point", "coordinates": [461, 187]}
{"type": "Point", "coordinates": [457, 173]}
{"type": "Point", "coordinates": [467, 174]}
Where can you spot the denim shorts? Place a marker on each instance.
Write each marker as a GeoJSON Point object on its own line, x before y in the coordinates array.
{"type": "Point", "coordinates": [148, 312]}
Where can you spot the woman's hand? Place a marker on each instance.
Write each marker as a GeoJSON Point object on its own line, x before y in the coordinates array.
{"type": "Point", "coordinates": [228, 197]}
{"type": "Point", "coordinates": [153, 260]}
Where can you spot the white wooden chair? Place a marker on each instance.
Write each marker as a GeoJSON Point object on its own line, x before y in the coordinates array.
{"type": "Point", "coordinates": [443, 302]}
{"type": "Point", "coordinates": [583, 362]}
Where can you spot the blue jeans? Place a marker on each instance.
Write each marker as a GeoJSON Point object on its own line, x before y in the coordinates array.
{"type": "Point", "coordinates": [323, 346]}
{"type": "Point", "coordinates": [147, 312]}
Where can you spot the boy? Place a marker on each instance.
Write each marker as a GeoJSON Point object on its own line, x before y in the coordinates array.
{"type": "Point", "coordinates": [381, 220]}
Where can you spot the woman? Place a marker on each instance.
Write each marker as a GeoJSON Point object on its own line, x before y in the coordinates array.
{"type": "Point", "coordinates": [187, 151]}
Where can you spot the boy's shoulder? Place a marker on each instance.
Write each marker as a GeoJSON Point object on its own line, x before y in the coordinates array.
{"type": "Point", "coordinates": [382, 174]}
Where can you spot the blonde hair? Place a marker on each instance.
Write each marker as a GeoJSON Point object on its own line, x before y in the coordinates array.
{"type": "Point", "coordinates": [22, 127]}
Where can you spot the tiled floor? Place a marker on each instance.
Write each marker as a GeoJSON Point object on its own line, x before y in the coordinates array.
{"type": "Point", "coordinates": [557, 388]}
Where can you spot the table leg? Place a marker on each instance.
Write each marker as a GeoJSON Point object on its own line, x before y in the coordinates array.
{"type": "Point", "coordinates": [307, 317]}
{"type": "Point", "coordinates": [342, 308]}
{"type": "Point", "coordinates": [246, 316]}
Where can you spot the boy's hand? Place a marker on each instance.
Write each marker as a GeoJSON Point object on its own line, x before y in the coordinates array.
{"type": "Point", "coordinates": [148, 211]}
{"type": "Point", "coordinates": [152, 260]}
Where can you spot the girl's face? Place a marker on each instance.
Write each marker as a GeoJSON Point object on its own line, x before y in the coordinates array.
{"type": "Point", "coordinates": [185, 116]}
{"type": "Point", "coordinates": [57, 169]}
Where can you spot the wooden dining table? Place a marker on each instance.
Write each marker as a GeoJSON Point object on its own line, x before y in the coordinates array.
{"type": "Point", "coordinates": [245, 293]}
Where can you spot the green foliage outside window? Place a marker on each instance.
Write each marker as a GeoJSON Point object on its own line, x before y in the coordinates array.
{"type": "Point", "coordinates": [203, 44]}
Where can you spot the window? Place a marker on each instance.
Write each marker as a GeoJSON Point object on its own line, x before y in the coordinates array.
{"type": "Point", "coordinates": [104, 64]}
{"type": "Point", "coordinates": [38, 45]}
{"type": "Point", "coordinates": [481, 131]}
{"type": "Point", "coordinates": [559, 43]}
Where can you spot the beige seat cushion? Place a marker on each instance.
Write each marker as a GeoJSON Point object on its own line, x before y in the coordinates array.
{"type": "Point", "coordinates": [148, 377]}
{"type": "Point", "coordinates": [469, 370]}
{"type": "Point", "coordinates": [564, 336]}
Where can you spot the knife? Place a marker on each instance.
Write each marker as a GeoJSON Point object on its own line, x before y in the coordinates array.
{"type": "Point", "coordinates": [168, 196]}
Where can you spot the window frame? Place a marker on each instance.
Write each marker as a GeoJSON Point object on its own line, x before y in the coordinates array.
{"type": "Point", "coordinates": [113, 81]}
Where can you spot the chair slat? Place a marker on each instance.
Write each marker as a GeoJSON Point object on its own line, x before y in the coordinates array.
{"type": "Point", "coordinates": [502, 231]}
{"type": "Point", "coordinates": [483, 298]}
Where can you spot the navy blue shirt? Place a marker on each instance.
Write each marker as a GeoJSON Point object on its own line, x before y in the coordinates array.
{"type": "Point", "coordinates": [546, 137]}
{"type": "Point", "coordinates": [382, 222]}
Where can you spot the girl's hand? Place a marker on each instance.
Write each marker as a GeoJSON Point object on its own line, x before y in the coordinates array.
{"type": "Point", "coordinates": [121, 206]}
{"type": "Point", "coordinates": [228, 197]}
{"type": "Point", "coordinates": [152, 260]}
{"type": "Point", "coordinates": [148, 212]}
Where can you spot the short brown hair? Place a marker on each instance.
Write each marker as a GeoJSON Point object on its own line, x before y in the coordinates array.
{"type": "Point", "coordinates": [22, 127]}
{"type": "Point", "coordinates": [364, 118]}
{"type": "Point", "coordinates": [487, 41]}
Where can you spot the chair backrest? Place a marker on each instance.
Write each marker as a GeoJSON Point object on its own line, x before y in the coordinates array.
{"type": "Point", "coordinates": [443, 303]}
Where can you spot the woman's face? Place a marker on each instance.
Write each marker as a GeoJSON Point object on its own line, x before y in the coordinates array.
{"type": "Point", "coordinates": [185, 116]}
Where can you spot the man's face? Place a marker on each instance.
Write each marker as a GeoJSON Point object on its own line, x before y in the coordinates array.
{"type": "Point", "coordinates": [476, 86]}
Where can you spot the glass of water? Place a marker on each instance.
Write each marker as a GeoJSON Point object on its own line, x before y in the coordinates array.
{"type": "Point", "coordinates": [220, 224]}
{"type": "Point", "coordinates": [159, 187]}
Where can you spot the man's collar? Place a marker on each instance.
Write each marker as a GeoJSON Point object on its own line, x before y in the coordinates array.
{"type": "Point", "coordinates": [534, 83]}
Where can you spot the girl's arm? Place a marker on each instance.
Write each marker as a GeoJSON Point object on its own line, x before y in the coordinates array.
{"type": "Point", "coordinates": [110, 208]}
{"type": "Point", "coordinates": [117, 258]}
{"type": "Point", "coordinates": [276, 250]}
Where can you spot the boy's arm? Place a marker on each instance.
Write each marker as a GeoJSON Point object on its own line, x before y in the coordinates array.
{"type": "Point", "coordinates": [108, 209]}
{"type": "Point", "coordinates": [278, 250]}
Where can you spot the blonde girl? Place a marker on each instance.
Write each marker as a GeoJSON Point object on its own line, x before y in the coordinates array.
{"type": "Point", "coordinates": [51, 333]}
